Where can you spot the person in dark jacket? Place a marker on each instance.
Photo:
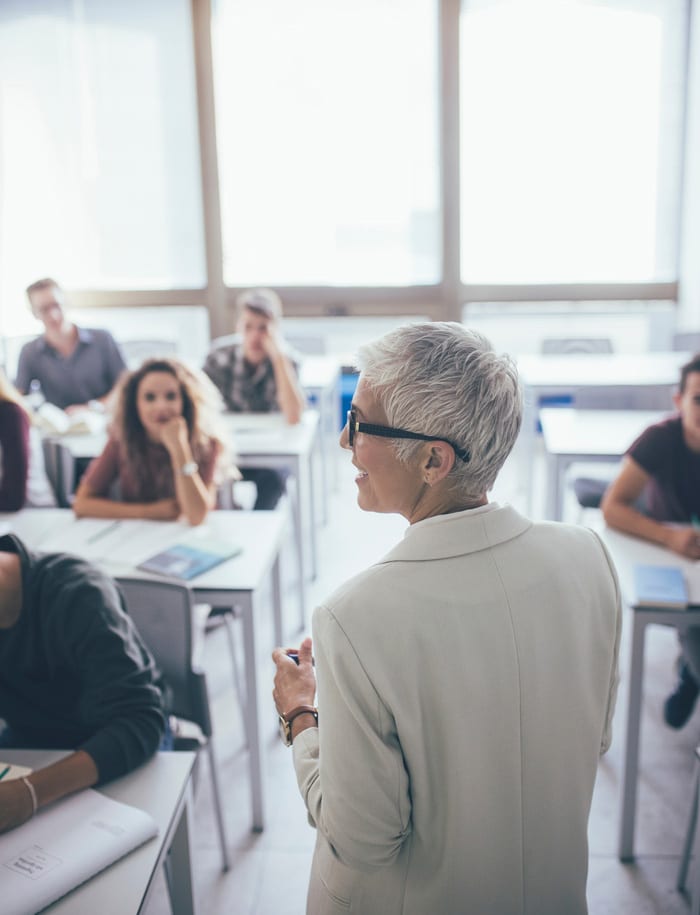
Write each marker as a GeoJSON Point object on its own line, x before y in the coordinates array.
{"type": "Point", "coordinates": [74, 674]}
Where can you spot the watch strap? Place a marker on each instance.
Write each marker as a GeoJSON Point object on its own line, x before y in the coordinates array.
{"type": "Point", "coordinates": [301, 710]}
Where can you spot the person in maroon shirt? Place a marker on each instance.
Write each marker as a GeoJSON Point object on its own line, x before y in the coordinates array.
{"type": "Point", "coordinates": [663, 466]}
{"type": "Point", "coordinates": [14, 447]}
{"type": "Point", "coordinates": [164, 452]}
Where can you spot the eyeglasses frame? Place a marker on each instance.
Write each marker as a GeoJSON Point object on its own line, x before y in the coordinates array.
{"type": "Point", "coordinates": [355, 426]}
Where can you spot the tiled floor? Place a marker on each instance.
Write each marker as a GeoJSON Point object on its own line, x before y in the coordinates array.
{"type": "Point", "coordinates": [270, 871]}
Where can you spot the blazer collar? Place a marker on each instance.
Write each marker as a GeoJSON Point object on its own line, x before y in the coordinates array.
{"type": "Point", "coordinates": [457, 534]}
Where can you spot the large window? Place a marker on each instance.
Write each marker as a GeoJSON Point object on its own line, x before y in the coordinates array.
{"type": "Point", "coordinates": [327, 122]}
{"type": "Point", "coordinates": [571, 129]}
{"type": "Point", "coordinates": [100, 183]}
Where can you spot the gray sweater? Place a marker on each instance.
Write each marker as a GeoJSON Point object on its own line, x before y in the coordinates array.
{"type": "Point", "coordinates": [74, 672]}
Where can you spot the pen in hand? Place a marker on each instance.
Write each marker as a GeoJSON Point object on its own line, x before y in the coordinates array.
{"type": "Point", "coordinates": [5, 771]}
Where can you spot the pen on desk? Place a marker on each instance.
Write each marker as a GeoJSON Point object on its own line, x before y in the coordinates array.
{"type": "Point", "coordinates": [103, 532]}
{"type": "Point", "coordinates": [5, 771]}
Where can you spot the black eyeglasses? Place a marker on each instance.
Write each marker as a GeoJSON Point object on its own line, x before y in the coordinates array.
{"type": "Point", "coordinates": [387, 432]}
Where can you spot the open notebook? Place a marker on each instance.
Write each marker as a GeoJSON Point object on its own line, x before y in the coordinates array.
{"type": "Point", "coordinates": [63, 846]}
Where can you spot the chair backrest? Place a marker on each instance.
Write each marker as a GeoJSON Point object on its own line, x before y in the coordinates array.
{"type": "Point", "coordinates": [60, 469]}
{"type": "Point", "coordinates": [162, 612]}
{"type": "Point", "coordinates": [626, 397]}
{"type": "Point", "coordinates": [686, 341]}
{"type": "Point", "coordinates": [567, 345]}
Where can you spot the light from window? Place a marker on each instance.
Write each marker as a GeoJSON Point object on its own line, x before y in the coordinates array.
{"type": "Point", "coordinates": [99, 160]}
{"type": "Point", "coordinates": [327, 122]}
{"type": "Point", "coordinates": [570, 140]}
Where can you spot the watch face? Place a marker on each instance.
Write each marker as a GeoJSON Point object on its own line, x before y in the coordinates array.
{"type": "Point", "coordinates": [285, 732]}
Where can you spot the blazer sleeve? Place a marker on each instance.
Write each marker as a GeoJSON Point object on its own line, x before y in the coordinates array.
{"type": "Point", "coordinates": [614, 678]}
{"type": "Point", "coordinates": [350, 770]}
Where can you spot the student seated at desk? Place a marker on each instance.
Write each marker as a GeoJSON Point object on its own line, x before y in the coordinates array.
{"type": "Point", "coordinates": [164, 449]}
{"type": "Point", "coordinates": [74, 674]}
{"type": "Point", "coordinates": [257, 374]}
{"type": "Point", "coordinates": [663, 464]}
{"type": "Point", "coordinates": [23, 480]}
{"type": "Point", "coordinates": [74, 366]}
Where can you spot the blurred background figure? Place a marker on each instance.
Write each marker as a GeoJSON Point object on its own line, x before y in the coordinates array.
{"type": "Point", "coordinates": [256, 373]}
{"type": "Point", "coordinates": [73, 367]}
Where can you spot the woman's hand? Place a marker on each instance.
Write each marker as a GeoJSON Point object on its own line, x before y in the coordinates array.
{"type": "Point", "coordinates": [295, 685]}
{"type": "Point", "coordinates": [163, 510]}
{"type": "Point", "coordinates": [174, 434]}
{"type": "Point", "coordinates": [15, 804]}
{"type": "Point", "coordinates": [684, 540]}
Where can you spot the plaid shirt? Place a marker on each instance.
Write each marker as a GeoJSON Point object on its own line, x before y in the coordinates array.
{"type": "Point", "coordinates": [245, 388]}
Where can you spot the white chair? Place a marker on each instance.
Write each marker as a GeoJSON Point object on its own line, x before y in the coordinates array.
{"type": "Point", "coordinates": [164, 616]}
{"type": "Point", "coordinates": [568, 345]}
{"type": "Point", "coordinates": [690, 838]}
{"type": "Point", "coordinates": [686, 341]}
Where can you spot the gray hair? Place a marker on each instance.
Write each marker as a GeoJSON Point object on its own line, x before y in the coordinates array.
{"type": "Point", "coordinates": [441, 379]}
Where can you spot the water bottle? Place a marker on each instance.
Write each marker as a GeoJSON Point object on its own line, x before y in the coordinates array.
{"type": "Point", "coordinates": [35, 397]}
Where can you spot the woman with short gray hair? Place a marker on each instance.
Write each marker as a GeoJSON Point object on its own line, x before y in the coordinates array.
{"type": "Point", "coordinates": [466, 682]}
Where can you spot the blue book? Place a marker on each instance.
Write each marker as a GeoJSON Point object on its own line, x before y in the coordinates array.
{"type": "Point", "coordinates": [186, 561]}
{"type": "Point", "coordinates": [660, 586]}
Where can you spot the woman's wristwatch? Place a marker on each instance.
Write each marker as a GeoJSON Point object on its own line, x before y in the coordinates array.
{"type": "Point", "coordinates": [286, 721]}
{"type": "Point", "coordinates": [189, 469]}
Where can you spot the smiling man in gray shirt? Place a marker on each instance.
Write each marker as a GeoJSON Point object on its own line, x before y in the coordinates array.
{"type": "Point", "coordinates": [75, 366]}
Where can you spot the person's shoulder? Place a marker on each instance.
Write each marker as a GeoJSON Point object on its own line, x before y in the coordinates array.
{"type": "Point", "coordinates": [31, 347]}
{"type": "Point", "coordinates": [98, 335]}
{"type": "Point", "coordinates": [10, 410]}
{"type": "Point", "coordinates": [67, 578]}
{"type": "Point", "coordinates": [225, 351]}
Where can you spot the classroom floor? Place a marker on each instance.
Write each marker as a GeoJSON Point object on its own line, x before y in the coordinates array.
{"type": "Point", "coordinates": [270, 870]}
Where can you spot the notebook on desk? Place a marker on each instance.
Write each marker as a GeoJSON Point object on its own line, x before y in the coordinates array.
{"type": "Point", "coordinates": [64, 845]}
{"type": "Point", "coordinates": [660, 586]}
{"type": "Point", "coordinates": [187, 560]}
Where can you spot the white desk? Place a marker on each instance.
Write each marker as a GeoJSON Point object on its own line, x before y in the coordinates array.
{"type": "Point", "coordinates": [162, 788]}
{"type": "Point", "coordinates": [117, 547]}
{"type": "Point", "coordinates": [599, 436]}
{"type": "Point", "coordinates": [626, 552]}
{"type": "Point", "coordinates": [555, 375]}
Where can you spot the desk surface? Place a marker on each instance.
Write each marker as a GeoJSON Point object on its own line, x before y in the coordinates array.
{"type": "Point", "coordinates": [600, 369]}
{"type": "Point", "coordinates": [158, 787]}
{"type": "Point", "coordinates": [568, 431]}
{"type": "Point", "coordinates": [628, 551]}
{"type": "Point", "coordinates": [253, 433]}
{"type": "Point", "coordinates": [118, 546]}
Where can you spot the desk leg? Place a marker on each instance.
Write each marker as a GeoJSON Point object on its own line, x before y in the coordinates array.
{"type": "Point", "coordinates": [552, 508]}
{"type": "Point", "coordinates": [246, 603]}
{"type": "Point", "coordinates": [526, 446]}
{"type": "Point", "coordinates": [631, 764]}
{"type": "Point", "coordinates": [295, 506]}
{"type": "Point", "coordinates": [312, 518]}
{"type": "Point", "coordinates": [180, 863]}
{"type": "Point", "coordinates": [277, 602]}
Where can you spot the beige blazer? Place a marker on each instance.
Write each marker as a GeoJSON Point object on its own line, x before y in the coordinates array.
{"type": "Point", "coordinates": [466, 685]}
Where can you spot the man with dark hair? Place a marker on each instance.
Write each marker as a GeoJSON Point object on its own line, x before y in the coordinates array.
{"type": "Point", "coordinates": [74, 366]}
{"type": "Point", "coordinates": [664, 464]}
{"type": "Point", "coordinates": [74, 674]}
{"type": "Point", "coordinates": [256, 373]}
